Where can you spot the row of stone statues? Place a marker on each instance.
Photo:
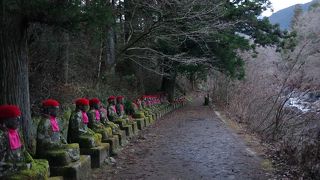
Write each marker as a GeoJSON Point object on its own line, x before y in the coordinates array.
{"type": "Point", "coordinates": [90, 125]}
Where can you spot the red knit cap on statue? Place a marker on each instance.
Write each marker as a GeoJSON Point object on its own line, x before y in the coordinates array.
{"type": "Point", "coordinates": [50, 103]}
{"type": "Point", "coordinates": [94, 101]}
{"type": "Point", "coordinates": [120, 97]}
{"type": "Point", "coordinates": [9, 111]}
{"type": "Point", "coordinates": [111, 98]}
{"type": "Point", "coordinates": [82, 101]}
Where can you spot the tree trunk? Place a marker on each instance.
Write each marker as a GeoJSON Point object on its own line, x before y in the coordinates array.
{"type": "Point", "coordinates": [110, 46]}
{"type": "Point", "coordinates": [168, 86]}
{"type": "Point", "coordinates": [66, 60]}
{"type": "Point", "coordinates": [14, 87]}
{"type": "Point", "coordinates": [100, 59]}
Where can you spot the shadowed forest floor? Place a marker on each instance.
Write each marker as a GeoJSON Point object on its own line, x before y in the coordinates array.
{"type": "Point", "coordinates": [189, 143]}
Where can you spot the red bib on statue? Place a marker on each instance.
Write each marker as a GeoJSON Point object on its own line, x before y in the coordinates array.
{"type": "Point", "coordinates": [98, 115]}
{"type": "Point", "coordinates": [14, 139]}
{"type": "Point", "coordinates": [85, 118]}
{"type": "Point", "coordinates": [54, 124]}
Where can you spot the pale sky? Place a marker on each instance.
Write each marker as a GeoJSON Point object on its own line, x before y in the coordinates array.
{"type": "Point", "coordinates": [281, 4]}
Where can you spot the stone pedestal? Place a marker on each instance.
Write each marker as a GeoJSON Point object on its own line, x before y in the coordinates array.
{"type": "Point", "coordinates": [140, 123]}
{"type": "Point", "coordinates": [39, 170]}
{"type": "Point", "coordinates": [122, 137]}
{"type": "Point", "coordinates": [146, 121]}
{"type": "Point", "coordinates": [56, 178]}
{"type": "Point", "coordinates": [60, 157]}
{"type": "Point", "coordinates": [114, 144]}
{"type": "Point", "coordinates": [135, 128]}
{"type": "Point", "coordinates": [79, 170]}
{"type": "Point", "coordinates": [98, 154]}
{"type": "Point", "coordinates": [125, 127]}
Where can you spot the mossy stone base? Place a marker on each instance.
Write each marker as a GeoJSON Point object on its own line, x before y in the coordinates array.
{"type": "Point", "coordinates": [138, 115]}
{"type": "Point", "coordinates": [88, 141]}
{"type": "Point", "coordinates": [140, 123]}
{"type": "Point", "coordinates": [122, 137]}
{"type": "Point", "coordinates": [79, 170]}
{"type": "Point", "coordinates": [128, 129]}
{"type": "Point", "coordinates": [56, 178]}
{"type": "Point", "coordinates": [120, 122]}
{"type": "Point", "coordinates": [61, 157]}
{"type": "Point", "coordinates": [146, 121]}
{"type": "Point", "coordinates": [39, 171]}
{"type": "Point", "coordinates": [135, 129]}
{"type": "Point", "coordinates": [114, 144]}
{"type": "Point", "coordinates": [150, 119]}
{"type": "Point", "coordinates": [97, 154]}
{"type": "Point", "coordinates": [58, 157]}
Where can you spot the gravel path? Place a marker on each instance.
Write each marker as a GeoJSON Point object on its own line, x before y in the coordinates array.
{"type": "Point", "coordinates": [189, 143]}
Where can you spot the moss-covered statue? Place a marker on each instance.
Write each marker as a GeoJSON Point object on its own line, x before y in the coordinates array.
{"type": "Point", "coordinates": [94, 116]}
{"type": "Point", "coordinates": [78, 131]}
{"type": "Point", "coordinates": [112, 111]}
{"type": "Point", "coordinates": [120, 107]}
{"type": "Point", "coordinates": [114, 117]}
{"type": "Point", "coordinates": [15, 161]}
{"type": "Point", "coordinates": [51, 144]}
{"type": "Point", "coordinates": [137, 110]}
{"type": "Point", "coordinates": [115, 127]}
{"type": "Point", "coordinates": [123, 116]}
{"type": "Point", "coordinates": [105, 120]}
{"type": "Point", "coordinates": [95, 123]}
{"type": "Point", "coordinates": [145, 107]}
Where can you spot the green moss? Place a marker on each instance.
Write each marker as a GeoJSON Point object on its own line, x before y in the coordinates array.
{"type": "Point", "coordinates": [109, 131]}
{"type": "Point", "coordinates": [39, 171]}
{"type": "Point", "coordinates": [56, 178]}
{"type": "Point", "coordinates": [73, 146]}
{"type": "Point", "coordinates": [58, 157]}
{"type": "Point", "coordinates": [139, 115]}
{"type": "Point", "coordinates": [267, 165]}
{"type": "Point", "coordinates": [66, 114]}
{"type": "Point", "coordinates": [85, 140]}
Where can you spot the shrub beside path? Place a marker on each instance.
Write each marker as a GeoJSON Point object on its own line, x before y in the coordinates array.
{"type": "Point", "coordinates": [189, 143]}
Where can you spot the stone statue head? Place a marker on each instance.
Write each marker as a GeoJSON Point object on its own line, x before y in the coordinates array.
{"type": "Point", "coordinates": [120, 99]}
{"type": "Point", "coordinates": [50, 107]}
{"type": "Point", "coordinates": [94, 103]}
{"type": "Point", "coordinates": [10, 116]}
{"type": "Point", "coordinates": [82, 104]}
{"type": "Point", "coordinates": [111, 100]}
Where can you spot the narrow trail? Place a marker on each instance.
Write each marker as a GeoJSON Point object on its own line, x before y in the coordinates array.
{"type": "Point", "coordinates": [189, 143]}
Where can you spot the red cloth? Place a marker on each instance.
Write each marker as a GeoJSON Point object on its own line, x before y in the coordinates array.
{"type": "Point", "coordinates": [9, 111]}
{"type": "Point", "coordinates": [50, 102]}
{"type": "Point", "coordinates": [122, 107]}
{"type": "Point", "coordinates": [14, 139]}
{"type": "Point", "coordinates": [114, 109]}
{"type": "Point", "coordinates": [82, 101]}
{"type": "Point", "coordinates": [97, 115]}
{"type": "Point", "coordinates": [111, 98]}
{"type": "Point", "coordinates": [120, 97]}
{"type": "Point", "coordinates": [54, 124]}
{"type": "Point", "coordinates": [94, 101]}
{"type": "Point", "coordinates": [85, 118]}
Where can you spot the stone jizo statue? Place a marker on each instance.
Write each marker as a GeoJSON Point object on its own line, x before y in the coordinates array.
{"type": "Point", "coordinates": [13, 156]}
{"type": "Point", "coordinates": [51, 144]}
{"type": "Point", "coordinates": [95, 120]}
{"type": "Point", "coordinates": [78, 131]}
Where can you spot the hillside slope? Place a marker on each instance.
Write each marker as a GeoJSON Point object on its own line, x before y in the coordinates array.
{"type": "Point", "coordinates": [284, 16]}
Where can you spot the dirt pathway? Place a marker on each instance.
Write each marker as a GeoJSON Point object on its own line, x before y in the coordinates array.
{"type": "Point", "coordinates": [189, 143]}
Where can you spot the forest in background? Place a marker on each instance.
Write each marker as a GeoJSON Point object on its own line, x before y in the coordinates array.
{"type": "Point", "coordinates": [279, 98]}
{"type": "Point", "coordinates": [96, 48]}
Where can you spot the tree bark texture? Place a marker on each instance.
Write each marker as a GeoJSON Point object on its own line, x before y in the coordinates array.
{"type": "Point", "coordinates": [110, 46]}
{"type": "Point", "coordinates": [168, 86]}
{"type": "Point", "coordinates": [14, 87]}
